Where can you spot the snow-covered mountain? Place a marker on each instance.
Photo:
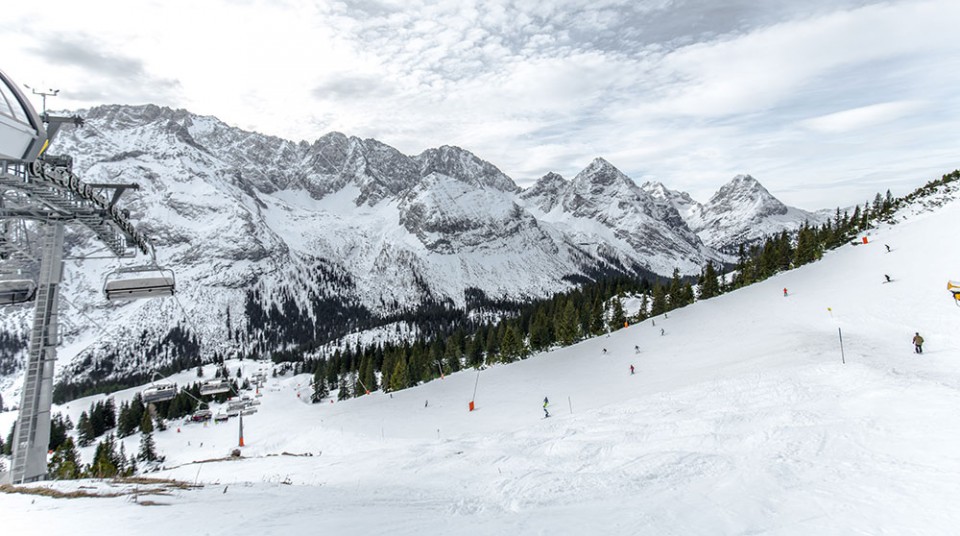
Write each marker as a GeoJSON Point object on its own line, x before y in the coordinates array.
{"type": "Point", "coordinates": [741, 212]}
{"type": "Point", "coordinates": [745, 417]}
{"type": "Point", "coordinates": [277, 243]}
{"type": "Point", "coordinates": [603, 208]}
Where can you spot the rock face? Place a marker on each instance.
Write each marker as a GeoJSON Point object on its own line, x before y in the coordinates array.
{"type": "Point", "coordinates": [277, 243]}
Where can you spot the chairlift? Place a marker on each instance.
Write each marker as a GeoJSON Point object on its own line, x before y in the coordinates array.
{"type": "Point", "coordinates": [135, 282]}
{"type": "Point", "coordinates": [160, 392]}
{"type": "Point", "coordinates": [248, 411]}
{"type": "Point", "coordinates": [201, 415]}
{"type": "Point", "coordinates": [14, 291]}
{"type": "Point", "coordinates": [214, 387]}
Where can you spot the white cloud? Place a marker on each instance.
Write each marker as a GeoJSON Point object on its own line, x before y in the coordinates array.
{"type": "Point", "coordinates": [689, 91]}
{"type": "Point", "coordinates": [862, 117]}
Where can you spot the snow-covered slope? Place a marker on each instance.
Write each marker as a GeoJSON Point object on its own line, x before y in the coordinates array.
{"type": "Point", "coordinates": [741, 419]}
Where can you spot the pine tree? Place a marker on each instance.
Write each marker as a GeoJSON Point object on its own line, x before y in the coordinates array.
{"type": "Point", "coordinates": [146, 423]}
{"type": "Point", "coordinates": [474, 351]}
{"type": "Point", "coordinates": [454, 350]}
{"type": "Point", "coordinates": [617, 316]}
{"type": "Point", "coordinates": [658, 304]}
{"type": "Point", "coordinates": [8, 445]}
{"type": "Point", "coordinates": [511, 347]}
{"type": "Point", "coordinates": [491, 344]}
{"type": "Point", "coordinates": [567, 325]}
{"type": "Point", "coordinates": [320, 390]}
{"type": "Point", "coordinates": [344, 391]}
{"type": "Point", "coordinates": [399, 379]}
{"type": "Point", "coordinates": [539, 330]}
{"type": "Point", "coordinates": [104, 457]}
{"type": "Point", "coordinates": [675, 298]}
{"type": "Point", "coordinates": [65, 462]}
{"type": "Point", "coordinates": [148, 450]}
{"type": "Point", "coordinates": [708, 286]}
{"type": "Point", "coordinates": [85, 432]}
{"type": "Point", "coordinates": [595, 322]}
{"type": "Point", "coordinates": [58, 431]}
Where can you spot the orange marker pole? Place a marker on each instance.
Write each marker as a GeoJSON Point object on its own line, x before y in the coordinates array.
{"type": "Point", "coordinates": [241, 429]}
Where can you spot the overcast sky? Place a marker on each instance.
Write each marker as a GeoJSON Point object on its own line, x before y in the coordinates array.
{"type": "Point", "coordinates": [824, 101]}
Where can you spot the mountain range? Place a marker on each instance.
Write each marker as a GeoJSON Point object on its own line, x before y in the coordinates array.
{"type": "Point", "coordinates": [275, 243]}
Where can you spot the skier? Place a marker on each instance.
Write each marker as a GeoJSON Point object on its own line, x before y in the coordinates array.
{"type": "Point", "coordinates": [887, 277]}
{"type": "Point", "coordinates": [631, 370]}
{"type": "Point", "coordinates": [784, 292]}
{"type": "Point", "coordinates": [918, 343]}
{"type": "Point", "coordinates": [636, 349]}
{"type": "Point", "coordinates": [604, 351]}
{"type": "Point", "coordinates": [661, 332]}
{"type": "Point", "coordinates": [888, 248]}
{"type": "Point", "coordinates": [545, 412]}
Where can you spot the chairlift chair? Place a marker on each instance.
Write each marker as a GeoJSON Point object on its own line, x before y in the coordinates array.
{"type": "Point", "coordinates": [160, 392]}
{"type": "Point", "coordinates": [14, 291]}
{"type": "Point", "coordinates": [201, 415]}
{"type": "Point", "coordinates": [214, 387]}
{"type": "Point", "coordinates": [132, 282]}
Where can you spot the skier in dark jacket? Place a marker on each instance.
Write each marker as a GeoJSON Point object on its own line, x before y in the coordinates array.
{"type": "Point", "coordinates": [918, 343]}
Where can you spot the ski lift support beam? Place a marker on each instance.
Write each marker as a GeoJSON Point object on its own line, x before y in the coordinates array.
{"type": "Point", "coordinates": [64, 195]}
{"type": "Point", "coordinates": [118, 190]}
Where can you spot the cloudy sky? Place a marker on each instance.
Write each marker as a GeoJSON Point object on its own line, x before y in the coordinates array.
{"type": "Point", "coordinates": [824, 101]}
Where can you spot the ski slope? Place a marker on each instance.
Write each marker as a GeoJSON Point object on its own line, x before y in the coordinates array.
{"type": "Point", "coordinates": [740, 419]}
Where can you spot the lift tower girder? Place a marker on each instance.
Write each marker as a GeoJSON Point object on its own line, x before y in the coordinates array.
{"type": "Point", "coordinates": [32, 434]}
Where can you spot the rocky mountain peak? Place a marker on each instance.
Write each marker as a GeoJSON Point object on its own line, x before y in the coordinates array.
{"type": "Point", "coordinates": [464, 166]}
{"type": "Point", "coordinates": [600, 172]}
{"type": "Point", "coordinates": [546, 192]}
{"type": "Point", "coordinates": [746, 192]}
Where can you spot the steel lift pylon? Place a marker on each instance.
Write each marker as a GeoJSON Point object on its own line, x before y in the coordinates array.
{"type": "Point", "coordinates": [43, 189]}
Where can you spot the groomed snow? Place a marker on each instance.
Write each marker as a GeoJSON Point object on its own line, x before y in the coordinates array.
{"type": "Point", "coordinates": [740, 419]}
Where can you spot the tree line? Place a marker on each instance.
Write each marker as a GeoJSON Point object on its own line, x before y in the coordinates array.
{"type": "Point", "coordinates": [592, 309]}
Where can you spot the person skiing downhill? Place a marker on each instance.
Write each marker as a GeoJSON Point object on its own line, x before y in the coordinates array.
{"type": "Point", "coordinates": [545, 412]}
{"type": "Point", "coordinates": [631, 370]}
{"type": "Point", "coordinates": [918, 343]}
{"type": "Point", "coordinates": [784, 292]}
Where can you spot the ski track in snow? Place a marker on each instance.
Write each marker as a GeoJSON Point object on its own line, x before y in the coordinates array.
{"type": "Point", "coordinates": [741, 419]}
